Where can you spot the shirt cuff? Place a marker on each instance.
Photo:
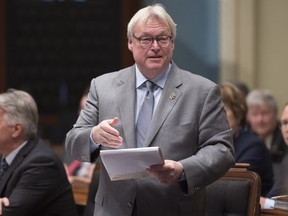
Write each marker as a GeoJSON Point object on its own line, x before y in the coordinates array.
{"type": "Point", "coordinates": [93, 145]}
{"type": "Point", "coordinates": [269, 204]}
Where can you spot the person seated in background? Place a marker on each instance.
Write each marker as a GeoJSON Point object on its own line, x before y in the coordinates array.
{"type": "Point", "coordinates": [33, 181]}
{"type": "Point", "coordinates": [249, 148]}
{"type": "Point", "coordinates": [280, 186]}
{"type": "Point", "coordinates": [242, 86]}
{"type": "Point", "coordinates": [263, 119]}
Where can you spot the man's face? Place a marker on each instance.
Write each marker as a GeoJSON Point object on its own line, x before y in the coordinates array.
{"type": "Point", "coordinates": [262, 119]}
{"type": "Point", "coordinates": [154, 59]}
{"type": "Point", "coordinates": [284, 124]}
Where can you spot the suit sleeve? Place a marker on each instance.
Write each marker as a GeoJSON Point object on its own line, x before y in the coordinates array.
{"type": "Point", "coordinates": [78, 143]}
{"type": "Point", "coordinates": [216, 152]}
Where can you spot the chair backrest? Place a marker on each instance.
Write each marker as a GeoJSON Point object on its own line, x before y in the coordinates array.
{"type": "Point", "coordinates": [235, 194]}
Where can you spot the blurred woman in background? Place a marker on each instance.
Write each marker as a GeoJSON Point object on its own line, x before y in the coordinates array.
{"type": "Point", "coordinates": [249, 148]}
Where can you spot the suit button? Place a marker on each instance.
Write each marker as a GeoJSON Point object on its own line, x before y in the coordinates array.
{"type": "Point", "coordinates": [84, 157]}
{"type": "Point", "coordinates": [130, 205]}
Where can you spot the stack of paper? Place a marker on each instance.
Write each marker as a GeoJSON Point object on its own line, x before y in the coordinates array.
{"type": "Point", "coordinates": [130, 163]}
{"type": "Point", "coordinates": [281, 202]}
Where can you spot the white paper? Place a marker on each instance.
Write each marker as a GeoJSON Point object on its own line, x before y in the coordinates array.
{"type": "Point", "coordinates": [281, 202]}
{"type": "Point", "coordinates": [130, 163]}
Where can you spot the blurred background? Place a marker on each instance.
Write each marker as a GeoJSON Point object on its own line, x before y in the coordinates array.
{"type": "Point", "coordinates": [53, 48]}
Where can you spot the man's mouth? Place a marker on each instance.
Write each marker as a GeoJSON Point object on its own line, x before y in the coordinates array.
{"type": "Point", "coordinates": [154, 56]}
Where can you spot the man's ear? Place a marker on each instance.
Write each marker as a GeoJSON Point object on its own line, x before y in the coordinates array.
{"type": "Point", "coordinates": [173, 44]}
{"type": "Point", "coordinates": [18, 130]}
{"type": "Point", "coordinates": [130, 45]}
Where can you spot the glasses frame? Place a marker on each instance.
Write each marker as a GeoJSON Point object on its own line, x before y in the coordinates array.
{"type": "Point", "coordinates": [152, 39]}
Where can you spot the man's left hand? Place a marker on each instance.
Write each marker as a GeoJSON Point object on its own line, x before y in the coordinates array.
{"type": "Point", "coordinates": [167, 173]}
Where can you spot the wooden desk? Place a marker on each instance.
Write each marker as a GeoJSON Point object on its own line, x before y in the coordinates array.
{"type": "Point", "coordinates": [80, 188]}
{"type": "Point", "coordinates": [273, 212]}
{"type": "Point", "coordinates": [80, 191]}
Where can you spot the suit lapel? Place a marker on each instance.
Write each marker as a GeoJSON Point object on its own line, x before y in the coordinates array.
{"type": "Point", "coordinates": [17, 160]}
{"type": "Point", "coordinates": [126, 91]}
{"type": "Point", "coordinates": [169, 97]}
{"type": "Point", "coordinates": [126, 102]}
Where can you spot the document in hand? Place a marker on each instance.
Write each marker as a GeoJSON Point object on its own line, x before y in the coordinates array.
{"type": "Point", "coordinates": [281, 202]}
{"type": "Point", "coordinates": [130, 163]}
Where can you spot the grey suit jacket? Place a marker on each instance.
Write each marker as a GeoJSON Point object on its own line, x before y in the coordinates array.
{"type": "Point", "coordinates": [190, 127]}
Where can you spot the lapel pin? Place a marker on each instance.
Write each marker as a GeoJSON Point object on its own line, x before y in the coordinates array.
{"type": "Point", "coordinates": [172, 96]}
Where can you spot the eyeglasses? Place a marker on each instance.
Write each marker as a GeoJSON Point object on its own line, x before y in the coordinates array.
{"type": "Point", "coordinates": [283, 124]}
{"type": "Point", "coordinates": [146, 41]}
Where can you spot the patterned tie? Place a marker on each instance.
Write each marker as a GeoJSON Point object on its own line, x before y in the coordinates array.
{"type": "Point", "coordinates": [3, 168]}
{"type": "Point", "coordinates": [145, 113]}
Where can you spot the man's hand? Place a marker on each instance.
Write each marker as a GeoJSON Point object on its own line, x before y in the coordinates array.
{"type": "Point", "coordinates": [105, 134]}
{"type": "Point", "coordinates": [3, 202]}
{"type": "Point", "coordinates": [167, 173]}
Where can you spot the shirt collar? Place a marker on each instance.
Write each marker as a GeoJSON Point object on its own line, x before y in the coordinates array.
{"type": "Point", "coordinates": [9, 158]}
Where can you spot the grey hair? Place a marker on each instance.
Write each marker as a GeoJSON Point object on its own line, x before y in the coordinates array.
{"type": "Point", "coordinates": [258, 97]}
{"type": "Point", "coordinates": [156, 11]}
{"type": "Point", "coordinates": [20, 108]}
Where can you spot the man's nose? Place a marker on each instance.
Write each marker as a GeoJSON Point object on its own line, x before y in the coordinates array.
{"type": "Point", "coordinates": [155, 43]}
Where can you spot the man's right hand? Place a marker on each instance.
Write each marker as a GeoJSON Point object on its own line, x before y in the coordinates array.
{"type": "Point", "coordinates": [105, 134]}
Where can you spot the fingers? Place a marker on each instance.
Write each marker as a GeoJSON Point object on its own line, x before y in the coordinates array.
{"type": "Point", "coordinates": [105, 134]}
{"type": "Point", "coordinates": [114, 121]}
{"type": "Point", "coordinates": [168, 173]}
{"type": "Point", "coordinates": [6, 201]}
{"type": "Point", "coordinates": [3, 202]}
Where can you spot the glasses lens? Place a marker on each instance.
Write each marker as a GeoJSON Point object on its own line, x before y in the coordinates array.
{"type": "Point", "coordinates": [163, 40]}
{"type": "Point", "coordinates": [147, 41]}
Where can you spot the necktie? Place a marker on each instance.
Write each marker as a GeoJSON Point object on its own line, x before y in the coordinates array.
{"type": "Point", "coordinates": [145, 114]}
{"type": "Point", "coordinates": [3, 168]}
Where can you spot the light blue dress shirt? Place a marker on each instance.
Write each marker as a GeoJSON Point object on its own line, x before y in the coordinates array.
{"type": "Point", "coordinates": [9, 158]}
{"type": "Point", "coordinates": [141, 91]}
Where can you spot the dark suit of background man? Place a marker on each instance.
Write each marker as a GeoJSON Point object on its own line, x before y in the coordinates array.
{"type": "Point", "coordinates": [35, 183]}
{"type": "Point", "coordinates": [280, 186]}
{"type": "Point", "coordinates": [189, 124]}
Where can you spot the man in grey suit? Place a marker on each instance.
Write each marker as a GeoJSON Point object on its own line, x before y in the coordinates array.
{"type": "Point", "coordinates": [189, 124]}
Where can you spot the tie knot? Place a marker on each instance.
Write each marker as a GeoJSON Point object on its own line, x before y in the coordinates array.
{"type": "Point", "coordinates": [4, 163]}
{"type": "Point", "coordinates": [150, 85]}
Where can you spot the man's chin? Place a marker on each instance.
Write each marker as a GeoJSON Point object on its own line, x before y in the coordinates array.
{"type": "Point", "coordinates": [155, 60]}
{"type": "Point", "coordinates": [156, 68]}
{"type": "Point", "coordinates": [155, 63]}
